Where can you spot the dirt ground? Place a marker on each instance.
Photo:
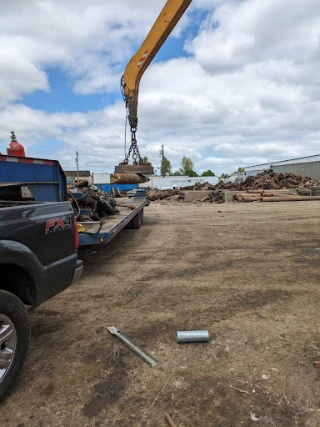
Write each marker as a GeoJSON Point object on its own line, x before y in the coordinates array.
{"type": "Point", "coordinates": [249, 273]}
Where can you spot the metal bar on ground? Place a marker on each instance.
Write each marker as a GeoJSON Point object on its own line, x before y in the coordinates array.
{"type": "Point", "coordinates": [150, 360]}
{"type": "Point", "coordinates": [290, 199]}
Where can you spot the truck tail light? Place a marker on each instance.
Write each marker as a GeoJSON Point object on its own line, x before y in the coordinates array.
{"type": "Point", "coordinates": [76, 234]}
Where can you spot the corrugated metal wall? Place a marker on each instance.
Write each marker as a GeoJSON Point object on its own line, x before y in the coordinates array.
{"type": "Point", "coordinates": [310, 169]}
{"type": "Point", "coordinates": [261, 167]}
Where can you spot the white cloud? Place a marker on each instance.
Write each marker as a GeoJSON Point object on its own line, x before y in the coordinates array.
{"type": "Point", "coordinates": [252, 31]}
{"type": "Point", "coordinates": [86, 39]}
{"type": "Point", "coordinates": [249, 93]}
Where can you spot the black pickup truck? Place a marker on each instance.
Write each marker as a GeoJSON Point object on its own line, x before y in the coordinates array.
{"type": "Point", "coordinates": [38, 259]}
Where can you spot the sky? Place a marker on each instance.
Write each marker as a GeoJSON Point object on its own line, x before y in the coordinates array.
{"type": "Point", "coordinates": [236, 84]}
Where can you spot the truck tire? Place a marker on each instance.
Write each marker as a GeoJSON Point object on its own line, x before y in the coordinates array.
{"type": "Point", "coordinates": [136, 221]}
{"type": "Point", "coordinates": [142, 216]}
{"type": "Point", "coordinates": [14, 340]}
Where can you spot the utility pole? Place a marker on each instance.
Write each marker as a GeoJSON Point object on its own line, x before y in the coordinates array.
{"type": "Point", "coordinates": [162, 159]}
{"type": "Point", "coordinates": [77, 163]}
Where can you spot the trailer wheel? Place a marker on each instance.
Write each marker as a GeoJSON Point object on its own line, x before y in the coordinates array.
{"type": "Point", "coordinates": [128, 226]}
{"type": "Point", "coordinates": [14, 339]}
{"type": "Point", "coordinates": [142, 216]}
{"type": "Point", "coordinates": [136, 221]}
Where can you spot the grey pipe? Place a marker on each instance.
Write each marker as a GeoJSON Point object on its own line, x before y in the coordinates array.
{"type": "Point", "coordinates": [192, 336]}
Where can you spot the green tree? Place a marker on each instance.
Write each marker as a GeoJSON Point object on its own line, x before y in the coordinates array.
{"type": "Point", "coordinates": [165, 167]}
{"type": "Point", "coordinates": [176, 173]}
{"type": "Point", "coordinates": [187, 166]}
{"type": "Point", "coordinates": [145, 159]}
{"type": "Point", "coordinates": [208, 173]}
{"type": "Point", "coordinates": [240, 169]}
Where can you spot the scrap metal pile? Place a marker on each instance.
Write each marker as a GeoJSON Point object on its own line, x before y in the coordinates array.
{"type": "Point", "coordinates": [204, 193]}
{"type": "Point", "coordinates": [274, 187]}
{"type": "Point", "coordinates": [267, 186]}
{"type": "Point", "coordinates": [90, 202]}
{"type": "Point", "coordinates": [270, 180]}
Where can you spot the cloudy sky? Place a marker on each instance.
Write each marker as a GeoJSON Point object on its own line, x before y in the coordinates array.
{"type": "Point", "coordinates": [236, 84]}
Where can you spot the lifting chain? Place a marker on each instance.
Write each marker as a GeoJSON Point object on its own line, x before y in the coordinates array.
{"type": "Point", "coordinates": [134, 150]}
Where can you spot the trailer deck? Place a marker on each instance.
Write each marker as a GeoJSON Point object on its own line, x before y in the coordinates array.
{"type": "Point", "coordinates": [101, 232]}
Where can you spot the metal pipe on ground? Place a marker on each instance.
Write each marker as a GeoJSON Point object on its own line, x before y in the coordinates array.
{"type": "Point", "coordinates": [246, 196]}
{"type": "Point", "coordinates": [263, 194]}
{"type": "Point", "coordinates": [285, 190]}
{"type": "Point", "coordinates": [254, 197]}
{"type": "Point", "coordinates": [290, 199]}
{"type": "Point", "coordinates": [249, 199]}
{"type": "Point", "coordinates": [192, 336]}
{"type": "Point", "coordinates": [277, 195]}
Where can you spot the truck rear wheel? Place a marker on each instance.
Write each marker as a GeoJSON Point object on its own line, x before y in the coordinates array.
{"type": "Point", "coordinates": [14, 339]}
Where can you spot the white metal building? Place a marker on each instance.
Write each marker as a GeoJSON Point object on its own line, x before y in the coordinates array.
{"type": "Point", "coordinates": [160, 183]}
{"type": "Point", "coordinates": [306, 166]}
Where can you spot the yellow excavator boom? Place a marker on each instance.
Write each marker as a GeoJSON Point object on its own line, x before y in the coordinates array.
{"type": "Point", "coordinates": [165, 23]}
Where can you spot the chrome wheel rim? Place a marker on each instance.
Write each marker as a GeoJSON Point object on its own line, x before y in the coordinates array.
{"type": "Point", "coordinates": [8, 344]}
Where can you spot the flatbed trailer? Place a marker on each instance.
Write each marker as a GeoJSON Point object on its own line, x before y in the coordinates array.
{"type": "Point", "coordinates": [103, 231]}
{"type": "Point", "coordinates": [43, 180]}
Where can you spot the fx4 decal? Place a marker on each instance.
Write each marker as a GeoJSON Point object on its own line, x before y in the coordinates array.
{"type": "Point", "coordinates": [58, 224]}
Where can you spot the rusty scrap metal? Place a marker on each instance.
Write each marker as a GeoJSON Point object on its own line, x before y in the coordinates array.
{"type": "Point", "coordinates": [123, 205]}
{"type": "Point", "coordinates": [290, 199]}
{"type": "Point", "coordinates": [270, 196]}
{"type": "Point", "coordinates": [161, 194]}
{"type": "Point", "coordinates": [269, 180]}
{"type": "Point", "coordinates": [169, 420]}
{"type": "Point", "coordinates": [128, 178]}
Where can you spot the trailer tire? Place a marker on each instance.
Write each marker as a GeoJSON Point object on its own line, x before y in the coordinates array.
{"type": "Point", "coordinates": [128, 226]}
{"type": "Point", "coordinates": [136, 221]}
{"type": "Point", "coordinates": [142, 216]}
{"type": "Point", "coordinates": [14, 319]}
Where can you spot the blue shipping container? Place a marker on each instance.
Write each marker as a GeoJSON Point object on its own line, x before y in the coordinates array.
{"type": "Point", "coordinates": [122, 187]}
